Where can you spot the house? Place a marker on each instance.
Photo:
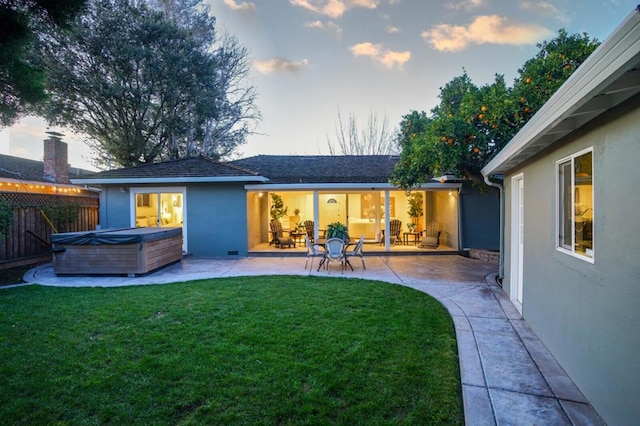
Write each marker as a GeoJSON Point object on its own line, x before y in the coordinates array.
{"type": "Point", "coordinates": [224, 208]}
{"type": "Point", "coordinates": [43, 201]}
{"type": "Point", "coordinates": [571, 228]}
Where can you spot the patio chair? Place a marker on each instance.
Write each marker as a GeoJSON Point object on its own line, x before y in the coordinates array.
{"type": "Point", "coordinates": [312, 251]}
{"type": "Point", "coordinates": [308, 226]}
{"type": "Point", "coordinates": [334, 252]}
{"type": "Point", "coordinates": [395, 227]}
{"type": "Point", "coordinates": [357, 251]}
{"type": "Point", "coordinates": [431, 235]}
{"type": "Point", "coordinates": [277, 235]}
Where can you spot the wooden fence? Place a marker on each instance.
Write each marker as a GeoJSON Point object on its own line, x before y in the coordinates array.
{"type": "Point", "coordinates": [27, 240]}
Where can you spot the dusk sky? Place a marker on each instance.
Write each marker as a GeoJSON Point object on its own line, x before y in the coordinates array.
{"type": "Point", "coordinates": [311, 58]}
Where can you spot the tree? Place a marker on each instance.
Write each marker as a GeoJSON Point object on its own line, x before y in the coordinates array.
{"type": "Point", "coordinates": [22, 82]}
{"type": "Point", "coordinates": [471, 124]}
{"type": "Point", "coordinates": [375, 138]}
{"type": "Point", "coordinates": [541, 76]}
{"type": "Point", "coordinates": [147, 84]}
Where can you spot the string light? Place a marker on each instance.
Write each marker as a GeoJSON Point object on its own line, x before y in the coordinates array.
{"type": "Point", "coordinates": [24, 187]}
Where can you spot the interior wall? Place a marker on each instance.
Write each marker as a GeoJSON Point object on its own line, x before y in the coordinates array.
{"type": "Point", "coordinates": [446, 214]}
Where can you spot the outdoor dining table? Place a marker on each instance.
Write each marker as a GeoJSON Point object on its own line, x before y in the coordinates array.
{"type": "Point", "coordinates": [322, 243]}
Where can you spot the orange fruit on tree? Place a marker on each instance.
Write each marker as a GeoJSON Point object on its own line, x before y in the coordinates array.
{"type": "Point", "coordinates": [450, 141]}
{"type": "Point", "coordinates": [476, 150]}
{"type": "Point", "coordinates": [443, 138]}
{"type": "Point", "coordinates": [484, 108]}
{"type": "Point", "coordinates": [527, 80]}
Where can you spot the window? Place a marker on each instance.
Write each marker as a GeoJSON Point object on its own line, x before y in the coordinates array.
{"type": "Point", "coordinates": [575, 204]}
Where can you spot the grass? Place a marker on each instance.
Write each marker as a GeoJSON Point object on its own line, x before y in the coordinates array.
{"type": "Point", "coordinates": [253, 350]}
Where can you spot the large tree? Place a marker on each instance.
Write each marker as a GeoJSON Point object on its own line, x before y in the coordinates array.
{"type": "Point", "coordinates": [471, 124]}
{"type": "Point", "coordinates": [148, 83]}
{"type": "Point", "coordinates": [375, 137]}
{"type": "Point", "coordinates": [22, 82]}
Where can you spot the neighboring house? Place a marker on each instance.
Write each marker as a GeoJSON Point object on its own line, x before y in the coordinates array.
{"type": "Point", "coordinates": [571, 224]}
{"type": "Point", "coordinates": [224, 208]}
{"type": "Point", "coordinates": [43, 201]}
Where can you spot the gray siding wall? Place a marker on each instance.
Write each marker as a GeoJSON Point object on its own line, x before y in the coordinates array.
{"type": "Point", "coordinates": [217, 220]}
{"type": "Point", "coordinates": [216, 217]}
{"type": "Point", "coordinates": [588, 315]}
{"type": "Point", "coordinates": [479, 218]}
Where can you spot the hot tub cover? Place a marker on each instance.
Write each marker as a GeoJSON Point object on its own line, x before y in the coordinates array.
{"type": "Point", "coordinates": [115, 236]}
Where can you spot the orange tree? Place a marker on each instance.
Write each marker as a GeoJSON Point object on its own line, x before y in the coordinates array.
{"type": "Point", "coordinates": [471, 124]}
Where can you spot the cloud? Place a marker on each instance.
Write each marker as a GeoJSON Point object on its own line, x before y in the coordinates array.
{"type": "Point", "coordinates": [333, 8]}
{"type": "Point", "coordinates": [329, 26]}
{"type": "Point", "coordinates": [280, 64]}
{"type": "Point", "coordinates": [491, 29]}
{"type": "Point", "coordinates": [465, 4]}
{"type": "Point", "coordinates": [244, 7]}
{"type": "Point", "coordinates": [379, 53]}
{"type": "Point", "coordinates": [392, 30]}
{"type": "Point", "coordinates": [546, 8]}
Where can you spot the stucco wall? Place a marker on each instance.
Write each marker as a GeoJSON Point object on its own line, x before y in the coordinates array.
{"type": "Point", "coordinates": [217, 220]}
{"type": "Point", "coordinates": [588, 314]}
{"type": "Point", "coordinates": [115, 208]}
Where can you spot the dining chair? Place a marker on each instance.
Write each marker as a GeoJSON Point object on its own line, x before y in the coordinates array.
{"type": "Point", "coordinates": [312, 251]}
{"type": "Point", "coordinates": [357, 251]}
{"type": "Point", "coordinates": [334, 252]}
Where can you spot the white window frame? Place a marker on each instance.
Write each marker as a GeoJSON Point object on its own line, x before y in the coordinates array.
{"type": "Point", "coordinates": [133, 191]}
{"type": "Point", "coordinates": [559, 218]}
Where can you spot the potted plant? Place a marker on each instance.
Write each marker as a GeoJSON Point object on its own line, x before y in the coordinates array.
{"type": "Point", "coordinates": [338, 230]}
{"type": "Point", "coordinates": [416, 210]}
{"type": "Point", "coordinates": [278, 209]}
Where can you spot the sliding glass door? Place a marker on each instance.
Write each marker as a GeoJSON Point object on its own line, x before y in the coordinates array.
{"type": "Point", "coordinates": [159, 207]}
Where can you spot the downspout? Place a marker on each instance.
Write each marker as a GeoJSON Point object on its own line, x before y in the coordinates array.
{"type": "Point", "coordinates": [502, 208]}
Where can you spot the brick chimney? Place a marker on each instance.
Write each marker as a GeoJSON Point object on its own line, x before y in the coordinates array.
{"type": "Point", "coordinates": [56, 166]}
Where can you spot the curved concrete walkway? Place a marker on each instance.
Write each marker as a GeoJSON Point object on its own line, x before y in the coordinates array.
{"type": "Point", "coordinates": [508, 375]}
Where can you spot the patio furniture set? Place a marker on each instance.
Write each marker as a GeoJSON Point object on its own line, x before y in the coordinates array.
{"type": "Point", "coordinates": [334, 250]}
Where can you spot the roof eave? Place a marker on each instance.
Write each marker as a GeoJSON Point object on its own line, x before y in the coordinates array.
{"type": "Point", "coordinates": [344, 186]}
{"type": "Point", "coordinates": [606, 79]}
{"type": "Point", "coordinates": [169, 180]}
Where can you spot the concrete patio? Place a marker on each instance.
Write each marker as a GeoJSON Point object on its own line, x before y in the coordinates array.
{"type": "Point", "coordinates": [508, 376]}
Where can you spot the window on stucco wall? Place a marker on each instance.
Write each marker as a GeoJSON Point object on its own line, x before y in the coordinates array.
{"type": "Point", "coordinates": [575, 204]}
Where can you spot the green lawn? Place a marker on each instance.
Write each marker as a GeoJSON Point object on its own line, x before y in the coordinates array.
{"type": "Point", "coordinates": [256, 350]}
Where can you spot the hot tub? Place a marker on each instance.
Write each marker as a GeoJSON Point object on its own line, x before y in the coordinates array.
{"type": "Point", "coordinates": [128, 251]}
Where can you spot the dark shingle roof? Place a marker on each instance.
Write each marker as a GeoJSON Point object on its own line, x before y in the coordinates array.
{"type": "Point", "coordinates": [289, 169]}
{"type": "Point", "coordinates": [30, 170]}
{"type": "Point", "coordinates": [184, 169]}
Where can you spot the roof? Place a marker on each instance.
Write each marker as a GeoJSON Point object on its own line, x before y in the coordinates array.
{"type": "Point", "coordinates": [196, 169]}
{"type": "Point", "coordinates": [609, 76]}
{"type": "Point", "coordinates": [295, 169]}
{"type": "Point", "coordinates": [30, 170]}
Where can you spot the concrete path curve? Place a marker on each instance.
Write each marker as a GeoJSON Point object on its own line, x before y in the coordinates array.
{"type": "Point", "coordinates": [508, 375]}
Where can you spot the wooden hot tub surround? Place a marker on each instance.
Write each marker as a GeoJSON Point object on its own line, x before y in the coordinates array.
{"type": "Point", "coordinates": [128, 251]}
